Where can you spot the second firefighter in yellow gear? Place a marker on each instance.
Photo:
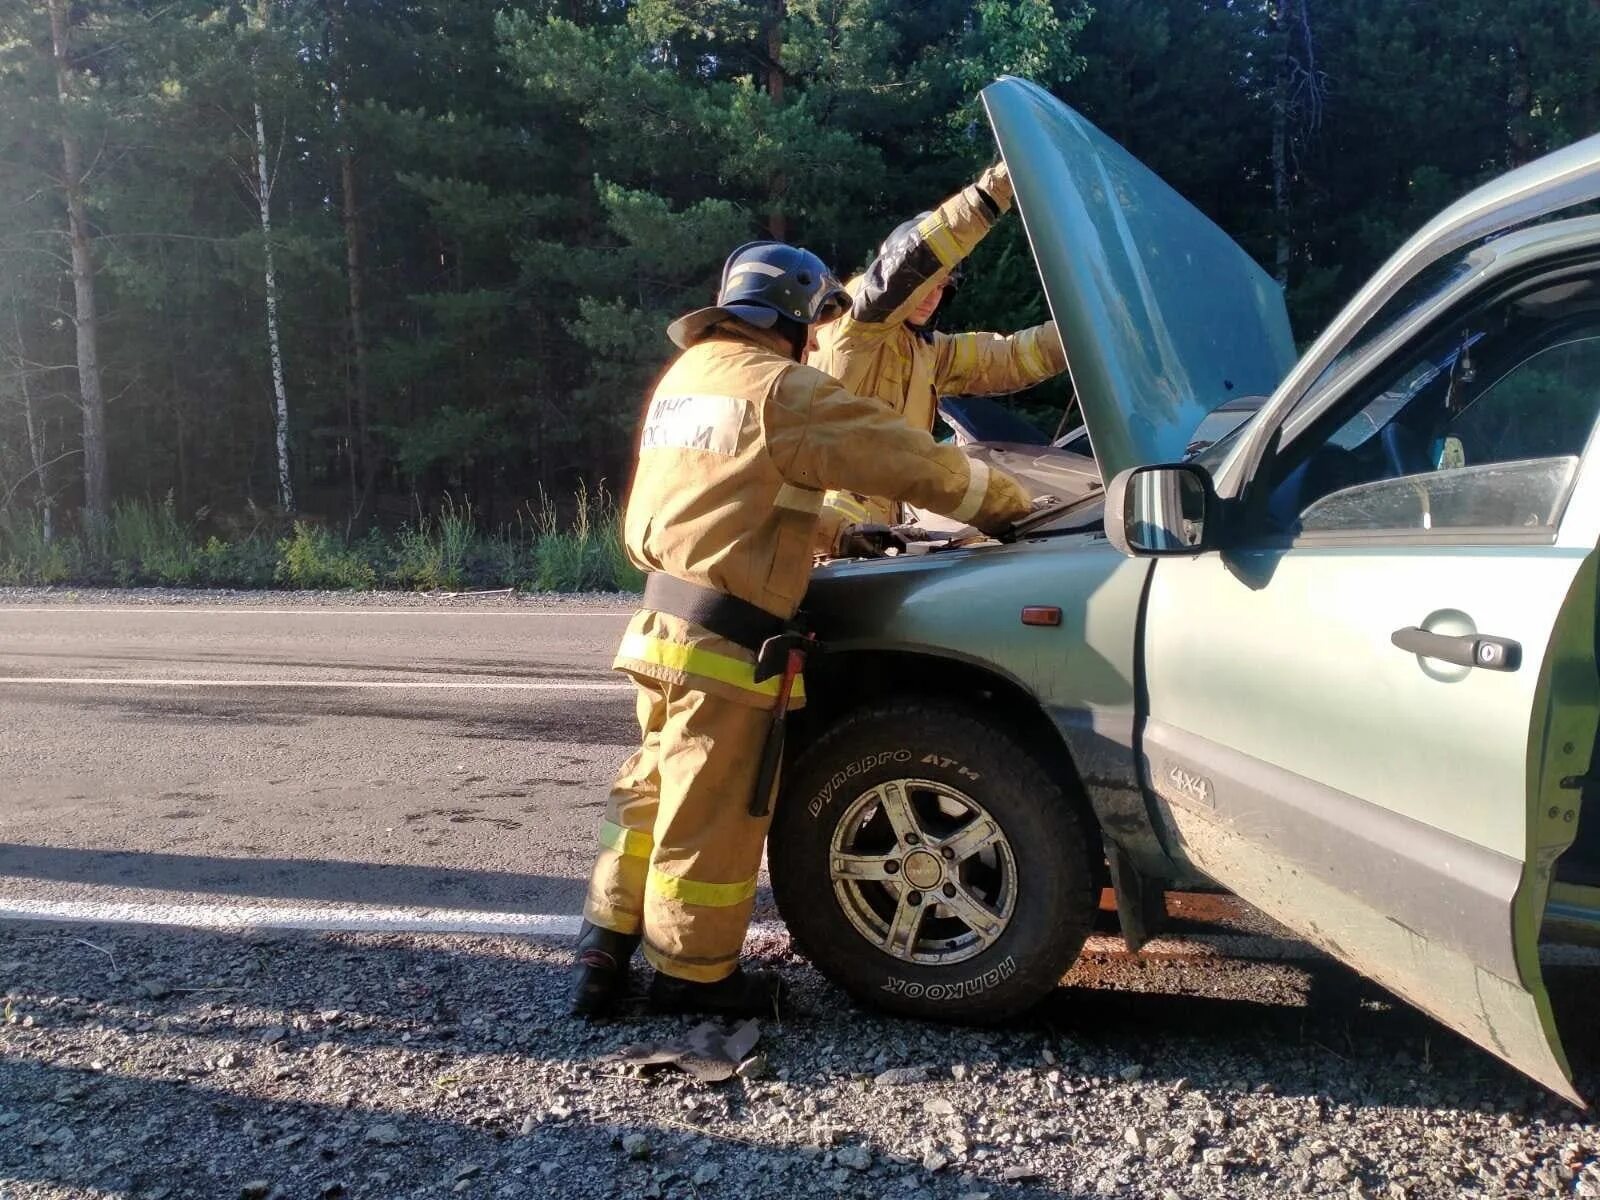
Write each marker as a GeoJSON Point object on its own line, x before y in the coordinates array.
{"type": "Point", "coordinates": [882, 348]}
{"type": "Point", "coordinates": [738, 445]}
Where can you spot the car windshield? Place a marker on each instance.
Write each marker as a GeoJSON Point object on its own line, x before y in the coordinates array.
{"type": "Point", "coordinates": [1430, 283]}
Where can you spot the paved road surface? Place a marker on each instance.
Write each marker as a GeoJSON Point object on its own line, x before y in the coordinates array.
{"type": "Point", "coordinates": [447, 757]}
{"type": "Point", "coordinates": [278, 760]}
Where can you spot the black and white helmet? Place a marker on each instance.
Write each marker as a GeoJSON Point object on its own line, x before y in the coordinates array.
{"type": "Point", "coordinates": [763, 281]}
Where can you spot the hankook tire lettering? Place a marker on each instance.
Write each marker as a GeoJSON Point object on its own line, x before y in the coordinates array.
{"type": "Point", "coordinates": [913, 990]}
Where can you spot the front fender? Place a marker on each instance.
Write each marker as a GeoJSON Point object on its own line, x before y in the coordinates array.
{"type": "Point", "coordinates": [952, 620]}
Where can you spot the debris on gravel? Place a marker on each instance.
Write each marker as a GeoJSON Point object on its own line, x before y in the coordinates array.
{"type": "Point", "coordinates": [421, 1066]}
{"type": "Point", "coordinates": [901, 1076]}
{"type": "Point", "coordinates": [384, 1135]}
{"type": "Point", "coordinates": [708, 1052]}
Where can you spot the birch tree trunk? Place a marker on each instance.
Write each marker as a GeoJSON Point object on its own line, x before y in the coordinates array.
{"type": "Point", "coordinates": [280, 391]}
{"type": "Point", "coordinates": [96, 464]}
{"type": "Point", "coordinates": [41, 468]}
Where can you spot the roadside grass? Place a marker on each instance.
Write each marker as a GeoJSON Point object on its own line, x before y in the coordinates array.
{"type": "Point", "coordinates": [547, 548]}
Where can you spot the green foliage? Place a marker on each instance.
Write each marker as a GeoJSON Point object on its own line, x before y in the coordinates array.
{"type": "Point", "coordinates": [533, 196]}
{"type": "Point", "coordinates": [435, 553]}
{"type": "Point", "coordinates": [316, 558]}
{"type": "Point", "coordinates": [1032, 39]}
{"type": "Point", "coordinates": [586, 553]}
{"type": "Point", "coordinates": [147, 543]}
{"type": "Point", "coordinates": [550, 548]}
{"type": "Point", "coordinates": [27, 556]}
{"type": "Point", "coordinates": [251, 562]}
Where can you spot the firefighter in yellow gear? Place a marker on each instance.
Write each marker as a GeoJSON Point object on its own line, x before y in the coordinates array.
{"type": "Point", "coordinates": [883, 348]}
{"type": "Point", "coordinates": [738, 444]}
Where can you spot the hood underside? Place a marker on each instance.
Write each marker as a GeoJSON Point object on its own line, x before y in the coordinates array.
{"type": "Point", "coordinates": [1164, 317]}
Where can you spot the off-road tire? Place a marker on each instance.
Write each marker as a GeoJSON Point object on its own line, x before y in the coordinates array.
{"type": "Point", "coordinates": [958, 747]}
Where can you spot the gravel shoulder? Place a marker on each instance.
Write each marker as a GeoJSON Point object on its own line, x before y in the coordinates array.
{"type": "Point", "coordinates": [160, 1064]}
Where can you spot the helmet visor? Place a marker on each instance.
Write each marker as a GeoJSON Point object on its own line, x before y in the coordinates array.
{"type": "Point", "coordinates": [832, 301]}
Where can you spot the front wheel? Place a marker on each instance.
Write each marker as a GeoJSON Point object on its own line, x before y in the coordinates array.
{"type": "Point", "coordinates": [927, 863]}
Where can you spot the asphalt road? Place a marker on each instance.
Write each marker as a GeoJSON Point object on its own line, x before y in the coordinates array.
{"type": "Point", "coordinates": [346, 763]}
{"type": "Point", "coordinates": [451, 757]}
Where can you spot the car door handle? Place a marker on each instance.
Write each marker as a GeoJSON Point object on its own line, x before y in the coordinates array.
{"type": "Point", "coordinates": [1469, 650]}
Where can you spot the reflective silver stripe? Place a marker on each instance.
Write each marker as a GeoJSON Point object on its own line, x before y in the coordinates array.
{"type": "Point", "coordinates": [806, 500]}
{"type": "Point", "coordinates": [701, 422]}
{"type": "Point", "coordinates": [756, 268]}
{"type": "Point", "coordinates": [977, 489]}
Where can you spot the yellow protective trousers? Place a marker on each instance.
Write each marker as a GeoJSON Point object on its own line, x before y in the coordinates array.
{"type": "Point", "coordinates": [679, 849]}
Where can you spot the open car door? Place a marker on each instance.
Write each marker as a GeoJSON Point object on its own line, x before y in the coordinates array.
{"type": "Point", "coordinates": [1370, 713]}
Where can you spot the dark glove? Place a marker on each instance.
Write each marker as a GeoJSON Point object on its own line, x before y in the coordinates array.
{"type": "Point", "coordinates": [869, 540]}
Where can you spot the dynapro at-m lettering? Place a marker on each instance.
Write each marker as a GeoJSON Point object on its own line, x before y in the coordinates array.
{"type": "Point", "coordinates": [871, 761]}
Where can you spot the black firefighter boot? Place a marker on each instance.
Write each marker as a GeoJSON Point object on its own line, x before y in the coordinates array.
{"type": "Point", "coordinates": [600, 969]}
{"type": "Point", "coordinates": [742, 994]}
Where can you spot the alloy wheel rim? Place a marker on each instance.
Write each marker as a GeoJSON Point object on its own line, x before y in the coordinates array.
{"type": "Point", "coordinates": [923, 872]}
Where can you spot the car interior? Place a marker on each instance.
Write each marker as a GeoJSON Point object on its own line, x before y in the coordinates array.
{"type": "Point", "coordinates": [1481, 428]}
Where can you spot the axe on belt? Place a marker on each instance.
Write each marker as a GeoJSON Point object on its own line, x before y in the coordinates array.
{"type": "Point", "coordinates": [783, 656]}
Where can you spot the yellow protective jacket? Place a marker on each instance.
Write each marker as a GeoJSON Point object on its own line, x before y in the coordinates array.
{"type": "Point", "coordinates": [874, 352]}
{"type": "Point", "coordinates": [737, 447]}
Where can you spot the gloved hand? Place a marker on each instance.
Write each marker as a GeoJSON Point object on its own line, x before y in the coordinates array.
{"type": "Point", "coordinates": [1005, 502]}
{"type": "Point", "coordinates": [915, 533]}
{"type": "Point", "coordinates": [995, 183]}
{"type": "Point", "coordinates": [869, 539]}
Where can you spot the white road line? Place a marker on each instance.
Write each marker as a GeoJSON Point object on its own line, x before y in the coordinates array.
{"type": "Point", "coordinates": [327, 612]}
{"type": "Point", "coordinates": [348, 919]}
{"type": "Point", "coordinates": [331, 918]}
{"type": "Point", "coordinates": [490, 685]}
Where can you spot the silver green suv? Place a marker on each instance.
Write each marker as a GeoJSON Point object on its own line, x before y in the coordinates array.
{"type": "Point", "coordinates": [1341, 663]}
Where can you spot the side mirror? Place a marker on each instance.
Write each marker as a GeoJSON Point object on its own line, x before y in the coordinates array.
{"type": "Point", "coordinates": [1160, 510]}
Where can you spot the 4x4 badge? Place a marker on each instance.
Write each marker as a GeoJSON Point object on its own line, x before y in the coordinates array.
{"type": "Point", "coordinates": [1195, 787]}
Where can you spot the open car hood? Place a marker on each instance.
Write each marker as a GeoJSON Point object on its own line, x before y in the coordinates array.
{"type": "Point", "coordinates": [1164, 317]}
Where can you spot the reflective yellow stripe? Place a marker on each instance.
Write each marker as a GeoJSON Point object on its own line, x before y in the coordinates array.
{"type": "Point", "coordinates": [977, 489]}
{"type": "Point", "coordinates": [965, 358]}
{"type": "Point", "coordinates": [630, 843]}
{"type": "Point", "coordinates": [693, 660]}
{"type": "Point", "coordinates": [806, 500]}
{"type": "Point", "coordinates": [1030, 356]}
{"type": "Point", "coordinates": [847, 506]}
{"type": "Point", "coordinates": [706, 895]}
{"type": "Point", "coordinates": [940, 240]}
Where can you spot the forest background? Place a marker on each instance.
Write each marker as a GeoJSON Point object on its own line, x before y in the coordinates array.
{"type": "Point", "coordinates": [358, 292]}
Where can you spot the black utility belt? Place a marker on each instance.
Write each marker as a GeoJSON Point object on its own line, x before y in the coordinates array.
{"type": "Point", "coordinates": [727, 616]}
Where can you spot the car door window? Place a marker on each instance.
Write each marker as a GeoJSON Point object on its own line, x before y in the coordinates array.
{"type": "Point", "coordinates": [1482, 428]}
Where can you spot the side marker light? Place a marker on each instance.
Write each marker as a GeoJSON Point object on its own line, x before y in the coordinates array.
{"type": "Point", "coordinates": [1041, 614]}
